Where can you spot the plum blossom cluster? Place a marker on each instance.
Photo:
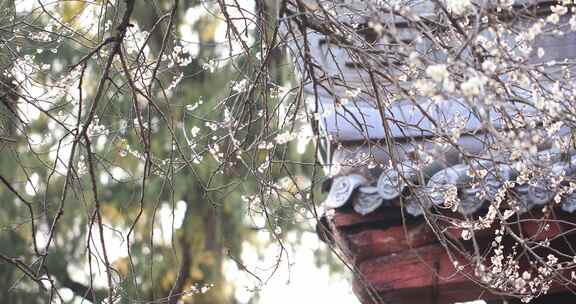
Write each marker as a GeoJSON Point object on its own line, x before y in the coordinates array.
{"type": "Point", "coordinates": [503, 272]}
{"type": "Point", "coordinates": [452, 74]}
{"type": "Point", "coordinates": [102, 93]}
{"type": "Point", "coordinates": [491, 80]}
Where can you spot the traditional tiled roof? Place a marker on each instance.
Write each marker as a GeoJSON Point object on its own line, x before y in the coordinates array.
{"type": "Point", "coordinates": [463, 187]}
{"type": "Point", "coordinates": [468, 179]}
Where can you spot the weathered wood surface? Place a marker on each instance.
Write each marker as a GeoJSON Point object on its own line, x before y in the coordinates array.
{"type": "Point", "coordinates": [405, 264]}
{"type": "Point", "coordinates": [380, 242]}
{"type": "Point", "coordinates": [348, 218]}
{"type": "Point", "coordinates": [422, 275]}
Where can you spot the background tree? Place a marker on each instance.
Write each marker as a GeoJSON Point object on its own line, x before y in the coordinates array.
{"type": "Point", "coordinates": [137, 155]}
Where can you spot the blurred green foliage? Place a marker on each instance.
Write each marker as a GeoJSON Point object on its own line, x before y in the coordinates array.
{"type": "Point", "coordinates": [215, 222]}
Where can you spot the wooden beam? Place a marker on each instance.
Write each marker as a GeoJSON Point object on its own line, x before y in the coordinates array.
{"type": "Point", "coordinates": [372, 243]}
{"type": "Point", "coordinates": [425, 275]}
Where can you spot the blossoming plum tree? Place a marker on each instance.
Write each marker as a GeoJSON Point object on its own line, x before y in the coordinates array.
{"type": "Point", "coordinates": [143, 142]}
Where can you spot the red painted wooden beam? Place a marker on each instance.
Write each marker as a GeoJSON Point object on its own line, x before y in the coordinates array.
{"type": "Point", "coordinates": [371, 243]}
{"type": "Point", "coordinates": [424, 275]}
{"type": "Point", "coordinates": [399, 264]}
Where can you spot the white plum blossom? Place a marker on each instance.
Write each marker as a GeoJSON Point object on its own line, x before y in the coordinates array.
{"type": "Point", "coordinates": [194, 131]}
{"type": "Point", "coordinates": [437, 72]}
{"type": "Point", "coordinates": [440, 80]}
{"type": "Point", "coordinates": [572, 23]}
{"type": "Point", "coordinates": [489, 66]}
{"type": "Point", "coordinates": [135, 40]}
{"type": "Point", "coordinates": [194, 106]}
{"type": "Point", "coordinates": [352, 93]}
{"type": "Point", "coordinates": [240, 86]}
{"type": "Point", "coordinates": [553, 18]}
{"type": "Point", "coordinates": [540, 52]}
{"type": "Point", "coordinates": [211, 125]}
{"type": "Point", "coordinates": [473, 86]}
{"type": "Point", "coordinates": [96, 129]}
{"type": "Point", "coordinates": [425, 87]}
{"type": "Point", "coordinates": [262, 168]}
{"type": "Point", "coordinates": [479, 61]}
{"type": "Point", "coordinates": [377, 27]}
{"type": "Point", "coordinates": [176, 81]}
{"type": "Point", "coordinates": [458, 7]}
{"type": "Point", "coordinates": [559, 9]}
{"type": "Point", "coordinates": [209, 66]}
{"type": "Point", "coordinates": [285, 137]}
